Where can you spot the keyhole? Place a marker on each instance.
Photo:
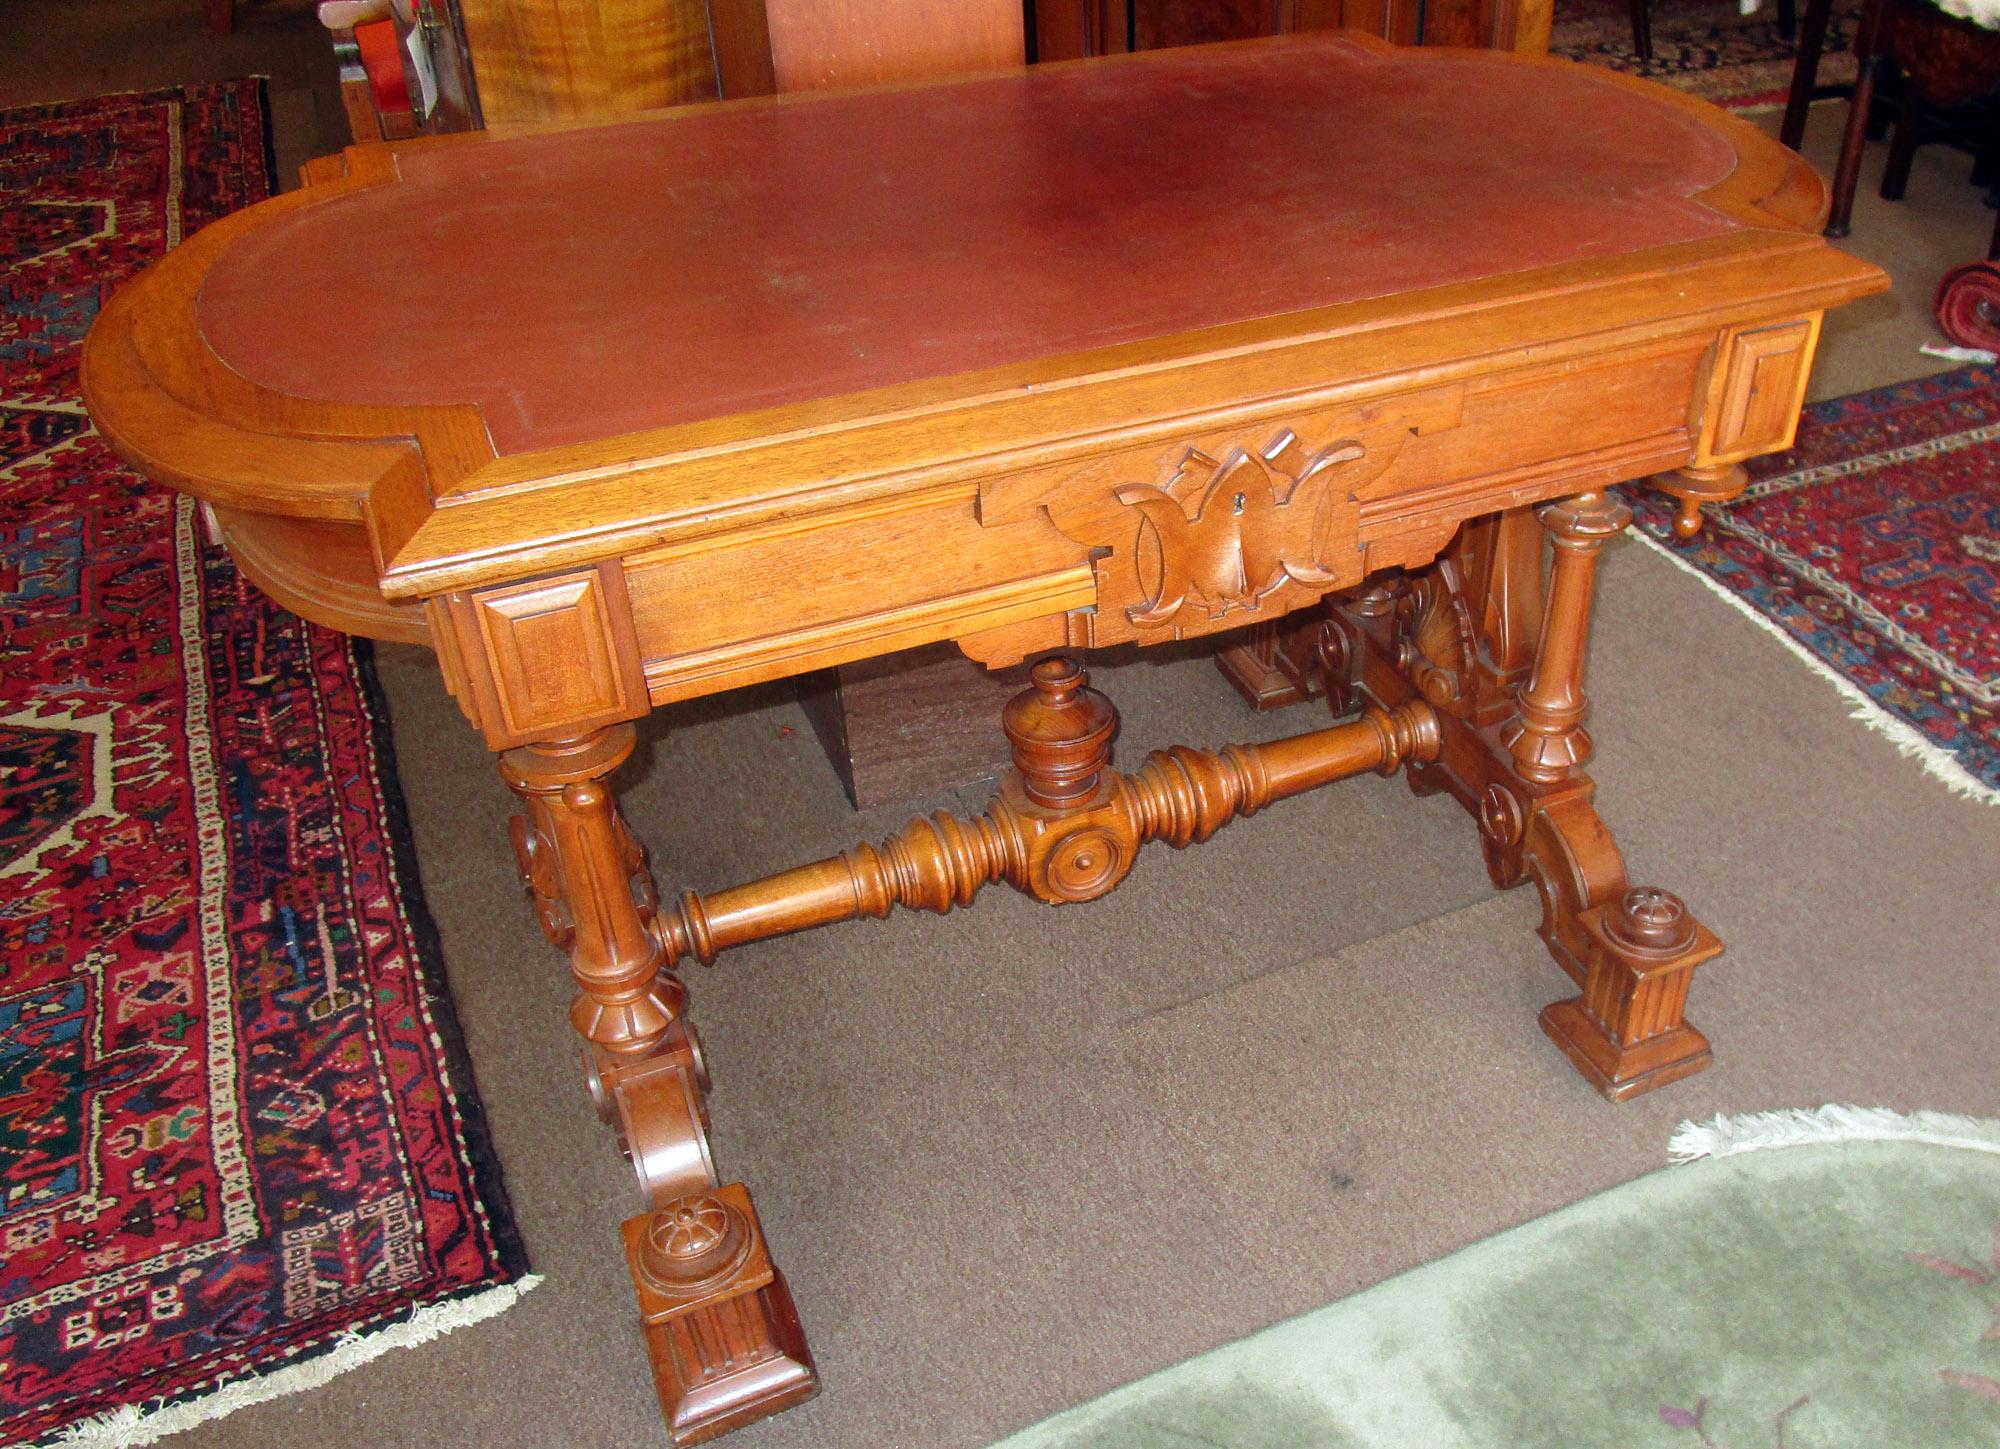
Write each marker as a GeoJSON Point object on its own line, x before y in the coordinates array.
{"type": "Point", "coordinates": [1241, 499]}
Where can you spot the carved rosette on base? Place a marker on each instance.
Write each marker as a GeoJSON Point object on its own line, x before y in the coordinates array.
{"type": "Point", "coordinates": [723, 1335]}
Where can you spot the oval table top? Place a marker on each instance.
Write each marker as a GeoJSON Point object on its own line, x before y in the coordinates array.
{"type": "Point", "coordinates": [589, 282]}
{"type": "Point", "coordinates": [869, 285]}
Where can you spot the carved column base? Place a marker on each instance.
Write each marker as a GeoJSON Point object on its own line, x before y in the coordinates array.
{"type": "Point", "coordinates": [1627, 1033]}
{"type": "Point", "coordinates": [721, 1331]}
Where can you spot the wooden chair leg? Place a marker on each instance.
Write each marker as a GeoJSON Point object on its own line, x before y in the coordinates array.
{"type": "Point", "coordinates": [1788, 19]}
{"type": "Point", "coordinates": [1805, 71]}
{"type": "Point", "coordinates": [1902, 145]}
{"type": "Point", "coordinates": [1642, 30]}
{"type": "Point", "coordinates": [1847, 171]}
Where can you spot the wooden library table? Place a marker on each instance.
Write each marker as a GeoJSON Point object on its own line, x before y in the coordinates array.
{"type": "Point", "coordinates": [1309, 330]}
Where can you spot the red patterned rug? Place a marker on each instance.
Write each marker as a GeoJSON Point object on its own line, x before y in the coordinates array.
{"type": "Point", "coordinates": [235, 1122]}
{"type": "Point", "coordinates": [1873, 549]}
{"type": "Point", "coordinates": [1705, 46]}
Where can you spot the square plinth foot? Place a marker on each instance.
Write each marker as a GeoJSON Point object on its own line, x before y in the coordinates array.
{"type": "Point", "coordinates": [1261, 677]}
{"type": "Point", "coordinates": [1622, 1072]}
{"type": "Point", "coordinates": [724, 1339]}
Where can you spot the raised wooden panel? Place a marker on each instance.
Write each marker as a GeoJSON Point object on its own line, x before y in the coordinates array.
{"type": "Point", "coordinates": [551, 653]}
{"type": "Point", "coordinates": [1760, 385]}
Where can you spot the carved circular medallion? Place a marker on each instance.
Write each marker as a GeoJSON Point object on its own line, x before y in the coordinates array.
{"type": "Point", "coordinates": [600, 1094]}
{"type": "Point", "coordinates": [693, 1243]}
{"type": "Point", "coordinates": [696, 1056]}
{"type": "Point", "coordinates": [1086, 863]}
{"type": "Point", "coordinates": [1500, 816]}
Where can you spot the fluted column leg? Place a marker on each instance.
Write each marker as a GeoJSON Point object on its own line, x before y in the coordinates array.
{"type": "Point", "coordinates": [1547, 738]}
{"type": "Point", "coordinates": [720, 1328]}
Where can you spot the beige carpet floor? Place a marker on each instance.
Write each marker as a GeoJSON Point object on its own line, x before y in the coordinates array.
{"type": "Point", "coordinates": [1013, 1157]}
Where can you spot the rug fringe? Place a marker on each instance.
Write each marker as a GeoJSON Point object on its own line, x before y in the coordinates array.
{"type": "Point", "coordinates": [130, 1426]}
{"type": "Point", "coordinates": [1939, 763]}
{"type": "Point", "coordinates": [1725, 1136]}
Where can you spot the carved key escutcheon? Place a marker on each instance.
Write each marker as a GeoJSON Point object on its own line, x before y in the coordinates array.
{"type": "Point", "coordinates": [1224, 534]}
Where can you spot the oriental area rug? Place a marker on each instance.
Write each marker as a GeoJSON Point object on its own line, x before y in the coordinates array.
{"type": "Point", "coordinates": [239, 1147]}
{"type": "Point", "coordinates": [1808, 1279]}
{"type": "Point", "coordinates": [1707, 47]}
{"type": "Point", "coordinates": [1872, 550]}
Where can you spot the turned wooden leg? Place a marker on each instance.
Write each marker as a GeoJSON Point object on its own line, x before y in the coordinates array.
{"type": "Point", "coordinates": [1902, 143]}
{"type": "Point", "coordinates": [1694, 486]}
{"type": "Point", "coordinates": [724, 1340]}
{"type": "Point", "coordinates": [1547, 737]}
{"type": "Point", "coordinates": [1633, 950]}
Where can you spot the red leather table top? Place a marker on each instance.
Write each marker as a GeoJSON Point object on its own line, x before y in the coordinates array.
{"type": "Point", "coordinates": [582, 283]}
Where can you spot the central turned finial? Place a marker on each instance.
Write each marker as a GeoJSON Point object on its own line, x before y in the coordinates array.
{"type": "Point", "coordinates": [1061, 732]}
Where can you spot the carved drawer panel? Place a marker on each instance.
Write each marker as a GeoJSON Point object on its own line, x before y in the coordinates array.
{"type": "Point", "coordinates": [777, 600]}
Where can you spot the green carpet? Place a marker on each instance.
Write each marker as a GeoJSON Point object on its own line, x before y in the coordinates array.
{"type": "Point", "coordinates": [1813, 1280]}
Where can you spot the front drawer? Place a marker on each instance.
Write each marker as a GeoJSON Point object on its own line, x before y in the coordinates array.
{"type": "Point", "coordinates": [1223, 526]}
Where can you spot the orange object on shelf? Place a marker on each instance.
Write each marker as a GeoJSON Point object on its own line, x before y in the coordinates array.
{"type": "Point", "coordinates": [382, 58]}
